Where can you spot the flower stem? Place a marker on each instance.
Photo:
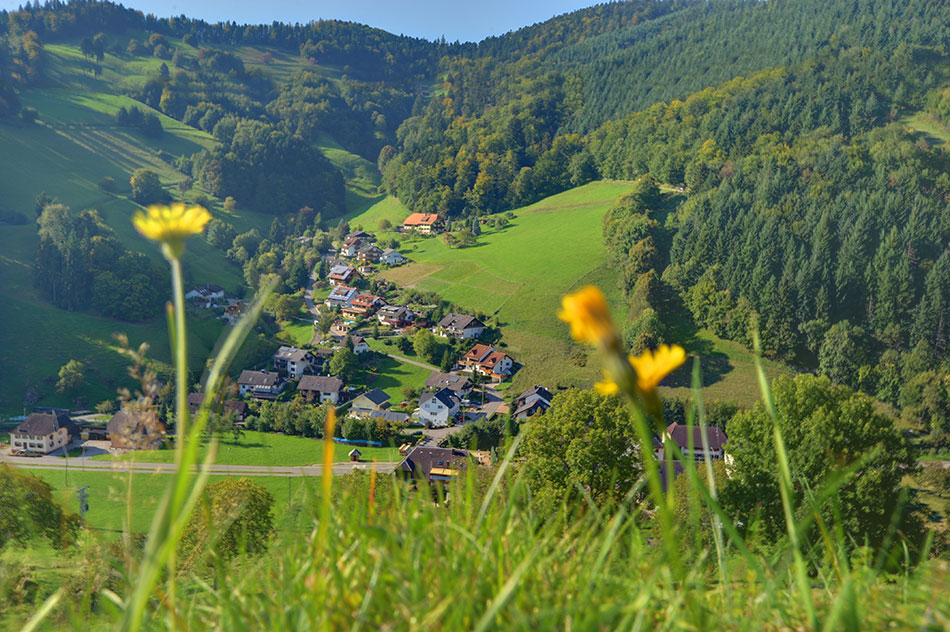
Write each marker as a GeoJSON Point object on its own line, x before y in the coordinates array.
{"type": "Point", "coordinates": [181, 405]}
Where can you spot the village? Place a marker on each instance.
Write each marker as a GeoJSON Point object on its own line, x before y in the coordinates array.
{"type": "Point", "coordinates": [355, 324]}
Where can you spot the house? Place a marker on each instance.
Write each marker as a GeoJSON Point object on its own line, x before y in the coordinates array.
{"type": "Point", "coordinates": [363, 305]}
{"type": "Point", "coordinates": [355, 455]}
{"type": "Point", "coordinates": [363, 235]}
{"type": "Point", "coordinates": [322, 389]}
{"type": "Point", "coordinates": [260, 384]}
{"type": "Point", "coordinates": [458, 385]}
{"type": "Point", "coordinates": [206, 293]}
{"type": "Point", "coordinates": [392, 257]}
{"type": "Point", "coordinates": [293, 361]}
{"type": "Point", "coordinates": [365, 270]}
{"type": "Point", "coordinates": [351, 246]}
{"type": "Point", "coordinates": [680, 435]}
{"type": "Point", "coordinates": [134, 430]}
{"type": "Point", "coordinates": [433, 464]}
{"type": "Point", "coordinates": [532, 401]}
{"type": "Point", "coordinates": [234, 312]}
{"type": "Point", "coordinates": [389, 415]}
{"type": "Point", "coordinates": [370, 253]}
{"type": "Point", "coordinates": [423, 223]}
{"type": "Point", "coordinates": [359, 344]}
{"type": "Point", "coordinates": [45, 430]}
{"type": "Point", "coordinates": [395, 316]}
{"type": "Point", "coordinates": [369, 401]}
{"type": "Point", "coordinates": [234, 407]}
{"type": "Point", "coordinates": [438, 410]}
{"type": "Point", "coordinates": [459, 326]}
{"type": "Point", "coordinates": [340, 296]}
{"type": "Point", "coordinates": [342, 274]}
{"type": "Point", "coordinates": [488, 361]}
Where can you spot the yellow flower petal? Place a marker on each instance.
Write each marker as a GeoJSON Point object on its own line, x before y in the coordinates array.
{"type": "Point", "coordinates": [588, 315]}
{"type": "Point", "coordinates": [607, 387]}
{"type": "Point", "coordinates": [171, 224]}
{"type": "Point", "coordinates": [653, 366]}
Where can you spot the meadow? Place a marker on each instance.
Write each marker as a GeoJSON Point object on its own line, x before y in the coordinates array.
{"type": "Point", "coordinates": [261, 448]}
{"type": "Point", "coordinates": [517, 275]}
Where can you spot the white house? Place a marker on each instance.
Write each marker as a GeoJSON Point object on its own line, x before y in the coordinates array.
{"type": "Point", "coordinates": [439, 409]}
{"type": "Point", "coordinates": [260, 384]}
{"type": "Point", "coordinates": [324, 389]}
{"type": "Point", "coordinates": [342, 274]}
{"type": "Point", "coordinates": [359, 344]}
{"type": "Point", "coordinates": [341, 296]}
{"type": "Point", "coordinates": [45, 430]}
{"type": "Point", "coordinates": [459, 326]}
{"type": "Point", "coordinates": [293, 361]}
{"type": "Point", "coordinates": [488, 361]}
{"type": "Point", "coordinates": [679, 434]}
{"type": "Point", "coordinates": [392, 257]}
{"type": "Point", "coordinates": [209, 293]}
{"type": "Point", "coordinates": [532, 401]}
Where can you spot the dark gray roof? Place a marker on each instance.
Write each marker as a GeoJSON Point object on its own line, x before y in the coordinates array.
{"type": "Point", "coordinates": [450, 381]}
{"type": "Point", "coordinates": [679, 433]}
{"type": "Point", "coordinates": [377, 396]}
{"type": "Point", "coordinates": [292, 354]}
{"type": "Point", "coordinates": [389, 415]}
{"type": "Point", "coordinates": [320, 383]}
{"type": "Point", "coordinates": [447, 397]}
{"type": "Point", "coordinates": [540, 391]}
{"type": "Point", "coordinates": [538, 405]}
{"type": "Point", "coordinates": [235, 406]}
{"type": "Point", "coordinates": [259, 378]}
{"type": "Point", "coordinates": [44, 422]}
{"type": "Point", "coordinates": [459, 321]}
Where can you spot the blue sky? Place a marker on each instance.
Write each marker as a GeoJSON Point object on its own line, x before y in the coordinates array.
{"type": "Point", "coordinates": [465, 21]}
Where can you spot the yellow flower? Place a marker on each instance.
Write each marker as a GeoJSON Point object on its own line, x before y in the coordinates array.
{"type": "Point", "coordinates": [650, 366]}
{"type": "Point", "coordinates": [653, 366]}
{"type": "Point", "coordinates": [171, 224]}
{"type": "Point", "coordinates": [588, 315]}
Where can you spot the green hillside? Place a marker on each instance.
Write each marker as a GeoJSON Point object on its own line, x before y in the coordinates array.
{"type": "Point", "coordinates": [519, 273]}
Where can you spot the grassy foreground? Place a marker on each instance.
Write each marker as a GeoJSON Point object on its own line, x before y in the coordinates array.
{"type": "Point", "coordinates": [262, 448]}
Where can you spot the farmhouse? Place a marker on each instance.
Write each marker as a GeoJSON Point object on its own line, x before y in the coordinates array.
{"type": "Point", "coordinates": [395, 316]}
{"type": "Point", "coordinates": [680, 435]}
{"type": "Point", "coordinates": [342, 274]}
{"type": "Point", "coordinates": [438, 410]}
{"type": "Point", "coordinates": [389, 415]}
{"type": "Point", "coordinates": [293, 361]}
{"type": "Point", "coordinates": [459, 326]}
{"type": "Point", "coordinates": [423, 223]}
{"type": "Point", "coordinates": [392, 257]}
{"type": "Point", "coordinates": [321, 389]}
{"type": "Point", "coordinates": [260, 384]}
{"type": "Point", "coordinates": [206, 293]}
{"type": "Point", "coordinates": [340, 296]}
{"type": "Point", "coordinates": [133, 430]}
{"type": "Point", "coordinates": [234, 312]}
{"type": "Point", "coordinates": [458, 385]}
{"type": "Point", "coordinates": [369, 401]}
{"type": "Point", "coordinates": [532, 401]}
{"type": "Point", "coordinates": [45, 430]}
{"type": "Point", "coordinates": [433, 464]}
{"type": "Point", "coordinates": [370, 253]}
{"type": "Point", "coordinates": [488, 361]}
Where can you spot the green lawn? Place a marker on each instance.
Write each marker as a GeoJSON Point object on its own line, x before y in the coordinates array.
{"type": "Point", "coordinates": [109, 494]}
{"type": "Point", "coordinates": [297, 333]}
{"type": "Point", "coordinates": [393, 376]}
{"type": "Point", "coordinates": [389, 208]}
{"type": "Point", "coordinates": [929, 128]}
{"type": "Point", "coordinates": [263, 448]}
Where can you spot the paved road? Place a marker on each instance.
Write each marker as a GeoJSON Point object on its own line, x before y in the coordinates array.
{"type": "Point", "coordinates": [87, 464]}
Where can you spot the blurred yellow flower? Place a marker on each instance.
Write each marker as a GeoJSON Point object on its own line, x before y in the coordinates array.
{"type": "Point", "coordinates": [650, 366]}
{"type": "Point", "coordinates": [171, 224]}
{"type": "Point", "coordinates": [588, 315]}
{"type": "Point", "coordinates": [653, 366]}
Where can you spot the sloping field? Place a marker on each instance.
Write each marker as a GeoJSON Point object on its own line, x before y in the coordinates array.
{"type": "Point", "coordinates": [519, 273]}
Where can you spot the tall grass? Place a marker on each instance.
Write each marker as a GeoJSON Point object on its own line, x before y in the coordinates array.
{"type": "Point", "coordinates": [370, 552]}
